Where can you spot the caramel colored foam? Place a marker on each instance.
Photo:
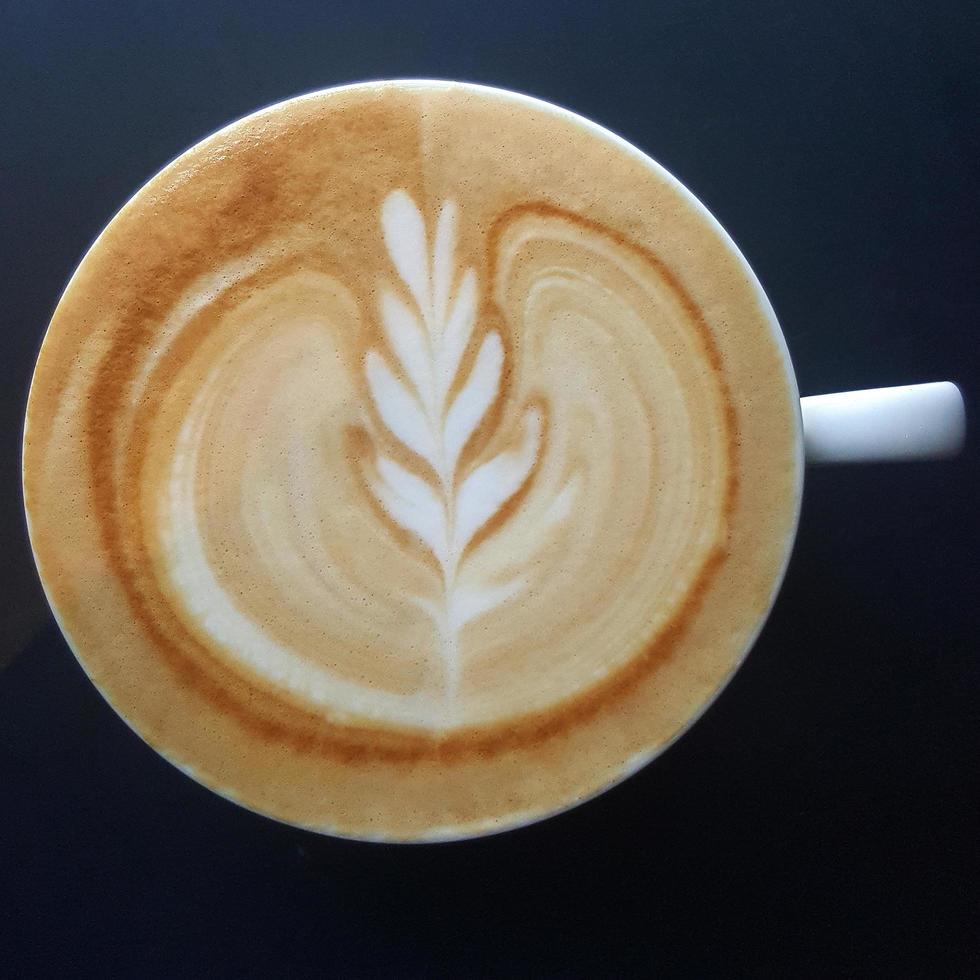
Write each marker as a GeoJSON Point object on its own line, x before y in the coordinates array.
{"type": "Point", "coordinates": [410, 460]}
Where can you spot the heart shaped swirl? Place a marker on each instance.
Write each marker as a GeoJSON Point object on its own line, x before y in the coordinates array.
{"type": "Point", "coordinates": [540, 473]}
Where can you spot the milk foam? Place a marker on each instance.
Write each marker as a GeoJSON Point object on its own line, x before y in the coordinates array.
{"type": "Point", "coordinates": [410, 457]}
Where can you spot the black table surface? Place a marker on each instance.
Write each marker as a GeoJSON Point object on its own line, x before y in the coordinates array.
{"type": "Point", "coordinates": [822, 819]}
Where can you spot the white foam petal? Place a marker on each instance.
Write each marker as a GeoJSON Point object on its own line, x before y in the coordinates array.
{"type": "Point", "coordinates": [412, 504]}
{"type": "Point", "coordinates": [404, 233]}
{"type": "Point", "coordinates": [491, 485]}
{"type": "Point", "coordinates": [398, 409]}
{"type": "Point", "coordinates": [561, 506]}
{"type": "Point", "coordinates": [466, 604]}
{"type": "Point", "coordinates": [407, 339]}
{"type": "Point", "coordinates": [473, 401]}
{"type": "Point", "coordinates": [456, 335]}
{"type": "Point", "coordinates": [442, 263]}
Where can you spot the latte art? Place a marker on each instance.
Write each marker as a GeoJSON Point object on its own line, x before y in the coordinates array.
{"type": "Point", "coordinates": [391, 471]}
{"type": "Point", "coordinates": [498, 517]}
{"type": "Point", "coordinates": [429, 343]}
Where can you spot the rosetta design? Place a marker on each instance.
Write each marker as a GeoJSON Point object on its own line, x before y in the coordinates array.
{"type": "Point", "coordinates": [477, 505]}
{"type": "Point", "coordinates": [434, 417]}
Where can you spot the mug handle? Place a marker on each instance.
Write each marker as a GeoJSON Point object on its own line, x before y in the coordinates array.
{"type": "Point", "coordinates": [926, 421]}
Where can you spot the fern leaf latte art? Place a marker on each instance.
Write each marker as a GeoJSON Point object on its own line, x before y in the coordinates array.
{"type": "Point", "coordinates": [429, 342]}
{"type": "Point", "coordinates": [411, 460]}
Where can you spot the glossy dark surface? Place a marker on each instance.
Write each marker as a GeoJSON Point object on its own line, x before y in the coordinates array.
{"type": "Point", "coordinates": [821, 820]}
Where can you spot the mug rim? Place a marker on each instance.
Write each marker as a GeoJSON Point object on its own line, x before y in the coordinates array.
{"type": "Point", "coordinates": [446, 834]}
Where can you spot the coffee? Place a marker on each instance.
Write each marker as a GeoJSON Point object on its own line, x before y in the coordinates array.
{"type": "Point", "coordinates": [411, 460]}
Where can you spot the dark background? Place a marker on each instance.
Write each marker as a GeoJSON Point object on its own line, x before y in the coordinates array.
{"type": "Point", "coordinates": [822, 819]}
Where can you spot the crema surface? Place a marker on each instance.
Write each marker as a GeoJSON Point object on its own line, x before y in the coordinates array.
{"type": "Point", "coordinates": [411, 460]}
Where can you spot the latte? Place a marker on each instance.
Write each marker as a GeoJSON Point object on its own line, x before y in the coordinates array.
{"type": "Point", "coordinates": [411, 460]}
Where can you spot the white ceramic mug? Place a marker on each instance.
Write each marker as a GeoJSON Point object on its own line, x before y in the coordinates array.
{"type": "Point", "coordinates": [924, 421]}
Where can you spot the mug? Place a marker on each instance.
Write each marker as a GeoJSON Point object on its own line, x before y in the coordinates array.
{"type": "Point", "coordinates": [924, 421]}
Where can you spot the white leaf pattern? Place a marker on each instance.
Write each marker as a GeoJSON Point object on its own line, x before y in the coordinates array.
{"type": "Point", "coordinates": [473, 401]}
{"type": "Point", "coordinates": [413, 504]}
{"type": "Point", "coordinates": [429, 344]}
{"type": "Point", "coordinates": [405, 336]}
{"type": "Point", "coordinates": [457, 333]}
{"type": "Point", "coordinates": [399, 411]}
{"type": "Point", "coordinates": [468, 604]}
{"type": "Point", "coordinates": [442, 264]}
{"type": "Point", "coordinates": [491, 485]}
{"type": "Point", "coordinates": [404, 233]}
